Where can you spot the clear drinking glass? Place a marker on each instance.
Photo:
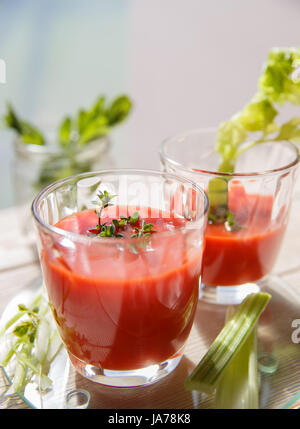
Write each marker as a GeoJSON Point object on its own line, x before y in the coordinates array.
{"type": "Point", "coordinates": [124, 306]}
{"type": "Point", "coordinates": [238, 258]}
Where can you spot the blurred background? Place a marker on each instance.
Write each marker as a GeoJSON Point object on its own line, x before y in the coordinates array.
{"type": "Point", "coordinates": [184, 63]}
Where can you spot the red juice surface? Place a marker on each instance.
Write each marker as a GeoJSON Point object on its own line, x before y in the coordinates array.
{"type": "Point", "coordinates": [246, 255]}
{"type": "Point", "coordinates": [121, 309]}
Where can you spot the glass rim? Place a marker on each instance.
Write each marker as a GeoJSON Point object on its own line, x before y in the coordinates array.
{"type": "Point", "coordinates": [165, 157]}
{"type": "Point", "coordinates": [108, 240]}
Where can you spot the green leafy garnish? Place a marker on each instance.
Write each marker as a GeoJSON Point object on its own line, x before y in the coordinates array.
{"type": "Point", "coordinates": [94, 123]}
{"type": "Point", "coordinates": [73, 133]}
{"type": "Point", "coordinates": [231, 224]}
{"type": "Point", "coordinates": [64, 132]}
{"type": "Point", "coordinates": [104, 201]}
{"type": "Point", "coordinates": [256, 124]}
{"type": "Point", "coordinates": [29, 343]}
{"type": "Point", "coordinates": [144, 231]}
{"type": "Point", "coordinates": [134, 218]}
{"type": "Point", "coordinates": [78, 130]}
{"type": "Point", "coordinates": [276, 87]}
{"type": "Point", "coordinates": [118, 110]}
{"type": "Point", "coordinates": [117, 226]}
{"type": "Point", "coordinates": [109, 231]}
{"type": "Point", "coordinates": [28, 132]}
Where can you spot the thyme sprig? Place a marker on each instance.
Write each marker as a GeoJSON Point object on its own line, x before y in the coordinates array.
{"type": "Point", "coordinates": [223, 215]}
{"type": "Point", "coordinates": [144, 231]}
{"type": "Point", "coordinates": [103, 202]}
{"type": "Point", "coordinates": [118, 225]}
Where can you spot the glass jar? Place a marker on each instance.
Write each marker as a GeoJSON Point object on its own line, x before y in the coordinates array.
{"type": "Point", "coordinates": [35, 167]}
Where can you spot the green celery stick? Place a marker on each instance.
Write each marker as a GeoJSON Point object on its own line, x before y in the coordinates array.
{"type": "Point", "coordinates": [228, 343]}
{"type": "Point", "coordinates": [217, 193]}
{"type": "Point", "coordinates": [238, 388]}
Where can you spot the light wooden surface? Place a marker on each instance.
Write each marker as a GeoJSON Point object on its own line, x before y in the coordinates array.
{"type": "Point", "coordinates": [19, 266]}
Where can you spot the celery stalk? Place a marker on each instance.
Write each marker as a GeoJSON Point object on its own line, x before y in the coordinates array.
{"type": "Point", "coordinates": [238, 388]}
{"type": "Point", "coordinates": [42, 341]}
{"type": "Point", "coordinates": [30, 343]}
{"type": "Point", "coordinates": [7, 357]}
{"type": "Point", "coordinates": [55, 344]}
{"type": "Point", "coordinates": [18, 379]}
{"type": "Point", "coordinates": [218, 194]}
{"type": "Point", "coordinates": [208, 373]}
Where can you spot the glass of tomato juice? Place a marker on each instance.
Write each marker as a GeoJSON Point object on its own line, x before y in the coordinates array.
{"type": "Point", "coordinates": [249, 209]}
{"type": "Point", "coordinates": [121, 254]}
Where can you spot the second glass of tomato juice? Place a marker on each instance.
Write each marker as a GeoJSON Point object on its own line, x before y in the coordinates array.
{"type": "Point", "coordinates": [248, 213]}
{"type": "Point", "coordinates": [121, 254]}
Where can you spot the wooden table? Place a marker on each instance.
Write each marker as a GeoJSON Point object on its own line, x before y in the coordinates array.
{"type": "Point", "coordinates": [19, 266]}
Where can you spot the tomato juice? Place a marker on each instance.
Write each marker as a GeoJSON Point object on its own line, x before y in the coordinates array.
{"type": "Point", "coordinates": [119, 306]}
{"type": "Point", "coordinates": [248, 254]}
